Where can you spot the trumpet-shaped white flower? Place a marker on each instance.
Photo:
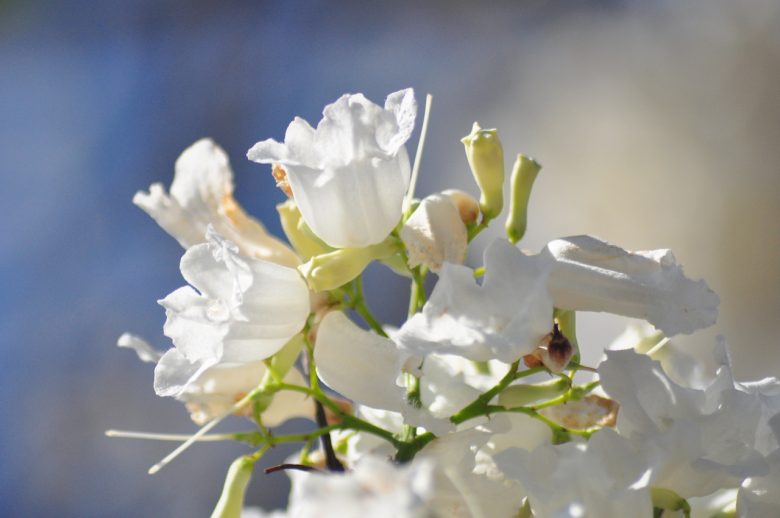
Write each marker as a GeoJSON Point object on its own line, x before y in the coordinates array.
{"type": "Point", "coordinates": [504, 318]}
{"type": "Point", "coordinates": [435, 233]}
{"type": "Point", "coordinates": [696, 441]}
{"type": "Point", "coordinates": [591, 275]}
{"type": "Point", "coordinates": [244, 310]}
{"type": "Point", "coordinates": [202, 195]}
{"type": "Point", "coordinates": [214, 391]}
{"type": "Point", "coordinates": [350, 174]}
{"type": "Point", "coordinates": [602, 477]}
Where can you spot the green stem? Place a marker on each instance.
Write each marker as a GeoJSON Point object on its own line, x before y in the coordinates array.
{"type": "Point", "coordinates": [358, 303]}
{"type": "Point", "coordinates": [479, 406]}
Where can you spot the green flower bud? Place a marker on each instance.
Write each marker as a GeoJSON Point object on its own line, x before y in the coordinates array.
{"type": "Point", "coordinates": [304, 241]}
{"type": "Point", "coordinates": [486, 159]}
{"type": "Point", "coordinates": [521, 395]}
{"type": "Point", "coordinates": [523, 175]}
{"type": "Point", "coordinates": [231, 501]}
{"type": "Point", "coordinates": [329, 271]}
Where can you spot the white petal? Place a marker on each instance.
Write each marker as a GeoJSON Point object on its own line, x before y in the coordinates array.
{"type": "Point", "coordinates": [503, 319]}
{"type": "Point", "coordinates": [591, 275]}
{"type": "Point", "coordinates": [246, 311]}
{"type": "Point", "coordinates": [202, 195]}
{"type": "Point", "coordinates": [175, 372]}
{"type": "Point", "coordinates": [359, 365]}
{"type": "Point", "coordinates": [435, 234]}
{"type": "Point", "coordinates": [349, 176]}
{"type": "Point", "coordinates": [759, 497]}
{"type": "Point", "coordinates": [145, 352]}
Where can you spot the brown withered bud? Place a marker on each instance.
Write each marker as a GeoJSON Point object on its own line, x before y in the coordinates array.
{"type": "Point", "coordinates": [280, 175]}
{"type": "Point", "coordinates": [554, 352]}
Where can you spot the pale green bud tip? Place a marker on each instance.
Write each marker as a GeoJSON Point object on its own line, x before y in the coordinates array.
{"type": "Point", "coordinates": [231, 501]}
{"type": "Point", "coordinates": [486, 159]}
{"type": "Point", "coordinates": [299, 235]}
{"type": "Point", "coordinates": [329, 271]}
{"type": "Point", "coordinates": [520, 395]}
{"type": "Point", "coordinates": [523, 176]}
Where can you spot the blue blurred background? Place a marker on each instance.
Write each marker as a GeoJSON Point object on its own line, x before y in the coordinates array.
{"type": "Point", "coordinates": [657, 123]}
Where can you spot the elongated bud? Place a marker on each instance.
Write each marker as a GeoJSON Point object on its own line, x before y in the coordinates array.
{"type": "Point", "coordinates": [520, 395]}
{"type": "Point", "coordinates": [231, 501]}
{"type": "Point", "coordinates": [486, 158]}
{"type": "Point", "coordinates": [329, 271]}
{"type": "Point", "coordinates": [522, 180]}
{"type": "Point", "coordinates": [304, 241]}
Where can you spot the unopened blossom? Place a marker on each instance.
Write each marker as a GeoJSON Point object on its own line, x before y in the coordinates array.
{"type": "Point", "coordinates": [435, 233]}
{"type": "Point", "coordinates": [522, 180]}
{"type": "Point", "coordinates": [237, 310]}
{"type": "Point", "coordinates": [215, 390]}
{"type": "Point", "coordinates": [504, 318]}
{"type": "Point", "coordinates": [350, 174]}
{"type": "Point", "coordinates": [591, 275]}
{"type": "Point", "coordinates": [486, 159]}
{"type": "Point", "coordinates": [695, 441]}
{"type": "Point", "coordinates": [201, 195]}
{"type": "Point", "coordinates": [602, 477]}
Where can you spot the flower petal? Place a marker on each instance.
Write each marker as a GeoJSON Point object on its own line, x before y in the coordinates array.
{"type": "Point", "coordinates": [202, 195]}
{"type": "Point", "coordinates": [503, 319]}
{"type": "Point", "coordinates": [359, 365]}
{"type": "Point", "coordinates": [592, 275]}
{"type": "Point", "coordinates": [145, 352]}
{"type": "Point", "coordinates": [435, 234]}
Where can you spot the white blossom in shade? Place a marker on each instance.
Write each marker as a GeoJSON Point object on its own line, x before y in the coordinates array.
{"type": "Point", "coordinates": [375, 488]}
{"type": "Point", "coordinates": [214, 391]}
{"type": "Point", "coordinates": [695, 441]}
{"type": "Point", "coordinates": [435, 233]}
{"type": "Point", "coordinates": [350, 174]}
{"type": "Point", "coordinates": [759, 497]}
{"type": "Point", "coordinates": [591, 275]}
{"type": "Point", "coordinates": [365, 368]}
{"type": "Point", "coordinates": [238, 310]}
{"type": "Point", "coordinates": [504, 318]}
{"type": "Point", "coordinates": [449, 383]}
{"type": "Point", "coordinates": [603, 477]}
{"type": "Point", "coordinates": [201, 195]}
{"type": "Point", "coordinates": [765, 394]}
{"type": "Point", "coordinates": [678, 363]}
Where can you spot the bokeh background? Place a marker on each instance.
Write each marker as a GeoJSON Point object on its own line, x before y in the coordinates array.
{"type": "Point", "coordinates": [657, 122]}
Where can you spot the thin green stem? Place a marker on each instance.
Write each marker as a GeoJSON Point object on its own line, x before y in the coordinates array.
{"type": "Point", "coordinates": [480, 405]}
{"type": "Point", "coordinates": [358, 303]}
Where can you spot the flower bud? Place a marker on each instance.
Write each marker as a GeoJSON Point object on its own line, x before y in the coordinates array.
{"type": "Point", "coordinates": [486, 158]}
{"type": "Point", "coordinates": [304, 241]}
{"type": "Point", "coordinates": [329, 271]}
{"type": "Point", "coordinates": [523, 175]}
{"type": "Point", "coordinates": [231, 501]}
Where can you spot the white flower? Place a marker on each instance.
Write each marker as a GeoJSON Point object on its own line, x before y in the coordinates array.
{"type": "Point", "coordinates": [602, 477]}
{"type": "Point", "coordinates": [504, 318]}
{"type": "Point", "coordinates": [695, 441]}
{"type": "Point", "coordinates": [375, 488]}
{"type": "Point", "coordinates": [591, 275]}
{"type": "Point", "coordinates": [349, 176]}
{"type": "Point", "coordinates": [435, 233]}
{"type": "Point", "coordinates": [215, 390]}
{"type": "Point", "coordinates": [202, 195]}
{"type": "Point", "coordinates": [759, 497]}
{"type": "Point", "coordinates": [365, 368]}
{"type": "Point", "coordinates": [244, 310]}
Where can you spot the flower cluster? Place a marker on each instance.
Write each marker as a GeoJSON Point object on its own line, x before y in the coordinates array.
{"type": "Point", "coordinates": [476, 405]}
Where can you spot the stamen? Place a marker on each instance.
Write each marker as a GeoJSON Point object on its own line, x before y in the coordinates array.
{"type": "Point", "coordinates": [657, 347]}
{"type": "Point", "coordinates": [418, 155]}
{"type": "Point", "coordinates": [201, 433]}
{"type": "Point", "coordinates": [128, 434]}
